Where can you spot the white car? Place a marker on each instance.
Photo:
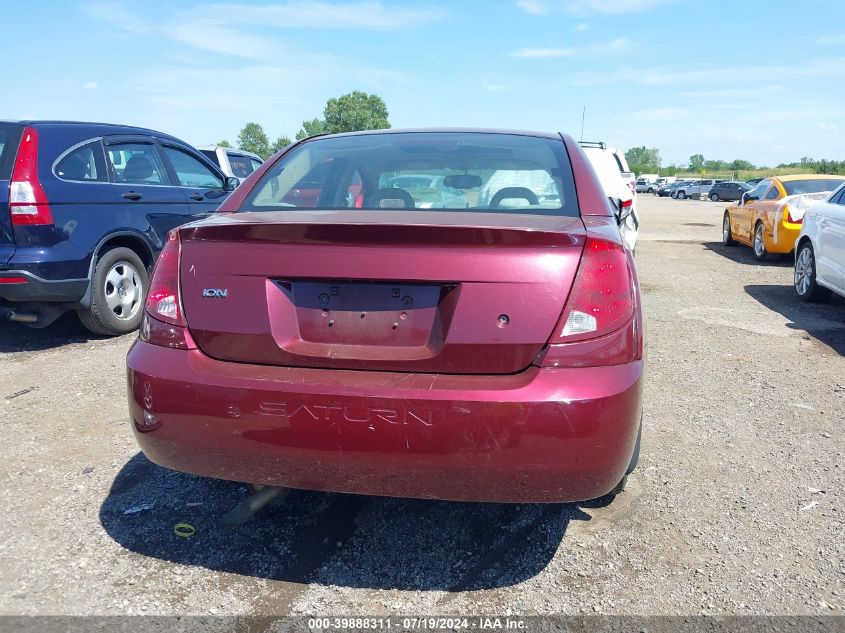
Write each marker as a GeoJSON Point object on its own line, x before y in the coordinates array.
{"type": "Point", "coordinates": [618, 182]}
{"type": "Point", "coordinates": [820, 249]}
{"type": "Point", "coordinates": [231, 161]}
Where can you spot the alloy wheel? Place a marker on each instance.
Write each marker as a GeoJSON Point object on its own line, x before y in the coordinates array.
{"type": "Point", "coordinates": [803, 271]}
{"type": "Point", "coordinates": [759, 246]}
{"type": "Point", "coordinates": [123, 290]}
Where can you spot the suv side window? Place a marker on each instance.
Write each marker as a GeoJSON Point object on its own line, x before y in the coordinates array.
{"type": "Point", "coordinates": [189, 171]}
{"type": "Point", "coordinates": [83, 164]}
{"type": "Point", "coordinates": [839, 198]}
{"type": "Point", "coordinates": [137, 164]}
{"type": "Point", "coordinates": [773, 193]}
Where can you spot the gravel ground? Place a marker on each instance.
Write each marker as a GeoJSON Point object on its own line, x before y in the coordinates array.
{"type": "Point", "coordinates": [736, 508]}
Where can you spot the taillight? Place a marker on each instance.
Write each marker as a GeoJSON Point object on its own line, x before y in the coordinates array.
{"type": "Point", "coordinates": [793, 219]}
{"type": "Point", "coordinates": [163, 322]}
{"type": "Point", "coordinates": [602, 297]}
{"type": "Point", "coordinates": [27, 201]}
{"type": "Point", "coordinates": [163, 299]}
{"type": "Point", "coordinates": [627, 203]}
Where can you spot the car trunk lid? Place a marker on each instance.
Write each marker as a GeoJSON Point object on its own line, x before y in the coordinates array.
{"type": "Point", "coordinates": [378, 290]}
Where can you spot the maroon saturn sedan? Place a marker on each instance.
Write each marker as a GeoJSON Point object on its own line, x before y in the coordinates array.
{"type": "Point", "coordinates": [445, 314]}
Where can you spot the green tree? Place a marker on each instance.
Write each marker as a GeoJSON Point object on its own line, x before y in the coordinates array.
{"type": "Point", "coordinates": [252, 138]}
{"type": "Point", "coordinates": [355, 111]}
{"type": "Point", "coordinates": [738, 164]}
{"type": "Point", "coordinates": [715, 165]}
{"type": "Point", "coordinates": [282, 141]}
{"type": "Point", "coordinates": [696, 162]}
{"type": "Point", "coordinates": [642, 160]}
{"type": "Point", "coordinates": [224, 143]}
{"type": "Point", "coordinates": [311, 128]}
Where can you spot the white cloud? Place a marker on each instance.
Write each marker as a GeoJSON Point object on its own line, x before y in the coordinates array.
{"type": "Point", "coordinates": [89, 85]}
{"type": "Point", "coordinates": [837, 39]}
{"type": "Point", "coordinates": [495, 87]}
{"type": "Point", "coordinates": [532, 7]}
{"type": "Point", "coordinates": [581, 27]}
{"type": "Point", "coordinates": [736, 74]}
{"type": "Point", "coordinates": [543, 52]}
{"type": "Point", "coordinates": [230, 28]}
{"type": "Point", "coordinates": [611, 7]}
{"type": "Point", "coordinates": [596, 48]}
{"type": "Point", "coordinates": [327, 15]}
{"type": "Point", "coordinates": [588, 7]}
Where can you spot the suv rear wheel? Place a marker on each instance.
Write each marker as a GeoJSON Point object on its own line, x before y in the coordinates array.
{"type": "Point", "coordinates": [120, 284]}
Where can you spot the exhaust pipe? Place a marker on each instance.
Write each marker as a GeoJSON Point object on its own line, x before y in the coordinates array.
{"type": "Point", "coordinates": [247, 508]}
{"type": "Point", "coordinates": [26, 317]}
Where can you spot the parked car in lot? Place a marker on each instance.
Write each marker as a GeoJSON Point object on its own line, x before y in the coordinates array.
{"type": "Point", "coordinates": [728, 190]}
{"type": "Point", "coordinates": [680, 189]}
{"type": "Point", "coordinates": [820, 250]}
{"type": "Point", "coordinates": [667, 189]}
{"type": "Point", "coordinates": [232, 162]}
{"type": "Point", "coordinates": [84, 211]}
{"type": "Point", "coordinates": [768, 218]}
{"type": "Point", "coordinates": [619, 184]}
{"type": "Point", "coordinates": [482, 352]}
{"type": "Point", "coordinates": [696, 189]}
{"type": "Point", "coordinates": [645, 186]}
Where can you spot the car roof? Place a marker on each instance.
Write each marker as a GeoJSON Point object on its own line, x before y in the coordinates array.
{"type": "Point", "coordinates": [807, 177]}
{"type": "Point", "coordinates": [115, 128]}
{"type": "Point", "coordinates": [444, 130]}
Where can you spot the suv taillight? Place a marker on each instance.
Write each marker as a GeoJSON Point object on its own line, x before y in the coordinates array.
{"type": "Point", "coordinates": [28, 203]}
{"type": "Point", "coordinates": [602, 298]}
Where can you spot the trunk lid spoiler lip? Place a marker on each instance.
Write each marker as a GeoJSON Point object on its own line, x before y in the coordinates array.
{"type": "Point", "coordinates": [356, 217]}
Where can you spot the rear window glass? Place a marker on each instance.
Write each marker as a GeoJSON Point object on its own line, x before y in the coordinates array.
{"type": "Point", "coordinates": [422, 170]}
{"type": "Point", "coordinates": [811, 185]}
{"type": "Point", "coordinates": [10, 136]}
{"type": "Point", "coordinates": [240, 165]}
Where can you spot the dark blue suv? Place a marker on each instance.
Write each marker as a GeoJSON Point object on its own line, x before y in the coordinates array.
{"type": "Point", "coordinates": [84, 211]}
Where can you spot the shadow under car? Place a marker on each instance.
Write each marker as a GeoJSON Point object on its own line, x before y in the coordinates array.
{"type": "Point", "coordinates": [823, 321]}
{"type": "Point", "coordinates": [335, 539]}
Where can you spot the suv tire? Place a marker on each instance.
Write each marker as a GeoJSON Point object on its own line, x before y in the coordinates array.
{"type": "Point", "coordinates": [682, 195]}
{"type": "Point", "coordinates": [119, 289]}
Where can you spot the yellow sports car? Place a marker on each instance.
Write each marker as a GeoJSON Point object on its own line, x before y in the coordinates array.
{"type": "Point", "coordinates": [768, 218]}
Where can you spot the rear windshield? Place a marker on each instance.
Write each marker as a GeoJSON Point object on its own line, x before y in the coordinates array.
{"type": "Point", "coordinates": [421, 170]}
{"type": "Point", "coordinates": [814, 185]}
{"type": "Point", "coordinates": [241, 167]}
{"type": "Point", "coordinates": [10, 135]}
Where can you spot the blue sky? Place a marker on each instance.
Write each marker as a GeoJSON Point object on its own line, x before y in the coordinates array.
{"type": "Point", "coordinates": [760, 80]}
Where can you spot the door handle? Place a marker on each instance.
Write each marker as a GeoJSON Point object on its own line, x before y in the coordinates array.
{"type": "Point", "coordinates": [131, 195]}
{"type": "Point", "coordinates": [197, 196]}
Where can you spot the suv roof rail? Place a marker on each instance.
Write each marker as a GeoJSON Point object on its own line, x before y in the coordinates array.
{"type": "Point", "coordinates": [599, 144]}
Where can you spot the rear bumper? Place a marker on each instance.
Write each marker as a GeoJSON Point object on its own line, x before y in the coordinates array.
{"type": "Point", "coordinates": [784, 237]}
{"type": "Point", "coordinates": [544, 435]}
{"type": "Point", "coordinates": [40, 290]}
